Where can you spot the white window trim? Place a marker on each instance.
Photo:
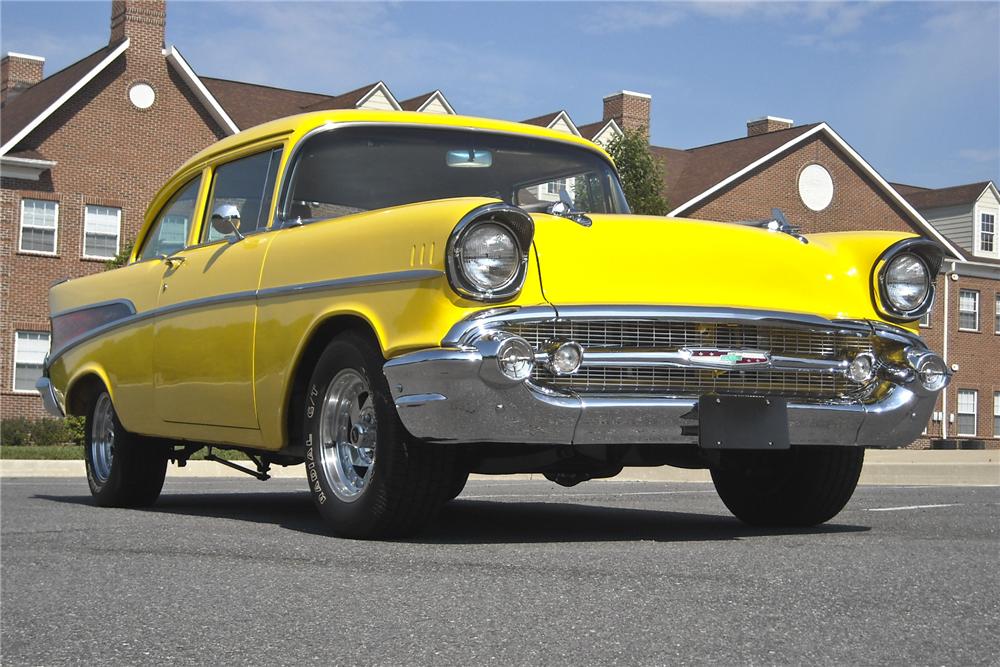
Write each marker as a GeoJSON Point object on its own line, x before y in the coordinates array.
{"type": "Point", "coordinates": [20, 232]}
{"type": "Point", "coordinates": [974, 413]}
{"type": "Point", "coordinates": [960, 312]}
{"type": "Point", "coordinates": [996, 313]}
{"type": "Point", "coordinates": [996, 413]}
{"type": "Point", "coordinates": [118, 241]}
{"type": "Point", "coordinates": [920, 322]}
{"type": "Point", "coordinates": [978, 232]}
{"type": "Point", "coordinates": [13, 375]}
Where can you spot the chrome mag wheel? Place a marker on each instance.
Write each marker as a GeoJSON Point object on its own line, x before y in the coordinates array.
{"type": "Point", "coordinates": [348, 434]}
{"type": "Point", "coordinates": [102, 439]}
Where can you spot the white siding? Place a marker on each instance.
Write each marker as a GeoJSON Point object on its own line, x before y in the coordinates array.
{"type": "Point", "coordinates": [435, 106]}
{"type": "Point", "coordinates": [606, 134]}
{"type": "Point", "coordinates": [955, 222]}
{"type": "Point", "coordinates": [378, 102]}
{"type": "Point", "coordinates": [989, 204]}
{"type": "Point", "coordinates": [561, 126]}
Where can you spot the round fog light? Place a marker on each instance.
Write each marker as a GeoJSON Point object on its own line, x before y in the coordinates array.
{"type": "Point", "coordinates": [862, 369]}
{"type": "Point", "coordinates": [516, 358]}
{"type": "Point", "coordinates": [566, 358]}
{"type": "Point", "coordinates": [932, 372]}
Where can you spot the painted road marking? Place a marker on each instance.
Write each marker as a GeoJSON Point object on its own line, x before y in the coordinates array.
{"type": "Point", "coordinates": [579, 495]}
{"type": "Point", "coordinates": [912, 507]}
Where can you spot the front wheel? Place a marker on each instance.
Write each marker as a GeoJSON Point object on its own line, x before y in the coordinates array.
{"type": "Point", "coordinates": [801, 487]}
{"type": "Point", "coordinates": [123, 469]}
{"type": "Point", "coordinates": [368, 477]}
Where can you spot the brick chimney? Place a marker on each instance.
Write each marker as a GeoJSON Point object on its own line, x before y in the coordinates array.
{"type": "Point", "coordinates": [142, 21]}
{"type": "Point", "coordinates": [18, 72]}
{"type": "Point", "coordinates": [630, 110]}
{"type": "Point", "coordinates": [767, 124]}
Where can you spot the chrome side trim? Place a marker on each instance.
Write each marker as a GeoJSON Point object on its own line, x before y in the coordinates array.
{"type": "Point", "coordinates": [388, 278]}
{"type": "Point", "coordinates": [100, 304]}
{"type": "Point", "coordinates": [344, 283]}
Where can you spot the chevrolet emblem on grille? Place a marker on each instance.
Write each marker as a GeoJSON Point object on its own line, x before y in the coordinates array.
{"type": "Point", "coordinates": [715, 357]}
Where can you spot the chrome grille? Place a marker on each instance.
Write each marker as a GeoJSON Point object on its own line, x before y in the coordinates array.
{"type": "Point", "coordinates": [664, 335]}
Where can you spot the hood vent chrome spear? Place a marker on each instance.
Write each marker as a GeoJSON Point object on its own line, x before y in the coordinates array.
{"type": "Point", "coordinates": [777, 223]}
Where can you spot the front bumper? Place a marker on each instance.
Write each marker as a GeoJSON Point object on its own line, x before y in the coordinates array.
{"type": "Point", "coordinates": [454, 394]}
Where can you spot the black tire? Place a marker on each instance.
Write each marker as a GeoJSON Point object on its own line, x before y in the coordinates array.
{"type": "Point", "coordinates": [458, 482]}
{"type": "Point", "coordinates": [801, 487]}
{"type": "Point", "coordinates": [408, 480]}
{"type": "Point", "coordinates": [123, 469]}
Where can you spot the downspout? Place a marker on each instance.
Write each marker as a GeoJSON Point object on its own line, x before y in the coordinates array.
{"type": "Point", "coordinates": [944, 352]}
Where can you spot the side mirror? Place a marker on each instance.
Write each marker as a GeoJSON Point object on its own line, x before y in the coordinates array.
{"type": "Point", "coordinates": [226, 221]}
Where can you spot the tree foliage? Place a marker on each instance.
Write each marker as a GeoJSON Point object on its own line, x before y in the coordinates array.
{"type": "Point", "coordinates": [121, 259]}
{"type": "Point", "coordinates": [640, 171]}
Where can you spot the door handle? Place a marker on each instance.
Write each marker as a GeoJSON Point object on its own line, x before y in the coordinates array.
{"type": "Point", "coordinates": [173, 261]}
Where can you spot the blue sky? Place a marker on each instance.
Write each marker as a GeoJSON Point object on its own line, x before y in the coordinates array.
{"type": "Point", "coordinates": [913, 86]}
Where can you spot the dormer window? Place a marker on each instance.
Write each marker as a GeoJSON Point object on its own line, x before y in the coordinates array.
{"type": "Point", "coordinates": [987, 232]}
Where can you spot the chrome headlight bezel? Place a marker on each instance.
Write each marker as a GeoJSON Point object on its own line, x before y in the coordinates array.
{"type": "Point", "coordinates": [512, 220]}
{"type": "Point", "coordinates": [929, 254]}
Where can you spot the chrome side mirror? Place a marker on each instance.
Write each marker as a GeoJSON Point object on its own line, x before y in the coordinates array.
{"type": "Point", "coordinates": [226, 221]}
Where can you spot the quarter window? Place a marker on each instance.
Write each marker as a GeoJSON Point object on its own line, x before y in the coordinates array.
{"type": "Point", "coordinates": [30, 348]}
{"type": "Point", "coordinates": [248, 185]}
{"type": "Point", "coordinates": [987, 232]}
{"type": "Point", "coordinates": [170, 231]}
{"type": "Point", "coordinates": [39, 224]}
{"type": "Point", "coordinates": [968, 309]}
{"type": "Point", "coordinates": [967, 411]}
{"type": "Point", "coordinates": [101, 231]}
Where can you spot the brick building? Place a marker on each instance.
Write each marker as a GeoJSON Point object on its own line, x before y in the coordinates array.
{"type": "Point", "coordinates": [83, 151]}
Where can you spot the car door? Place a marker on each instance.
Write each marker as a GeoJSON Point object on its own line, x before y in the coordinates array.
{"type": "Point", "coordinates": [204, 330]}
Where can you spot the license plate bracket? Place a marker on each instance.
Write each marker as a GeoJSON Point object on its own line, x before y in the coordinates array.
{"type": "Point", "coordinates": [743, 422]}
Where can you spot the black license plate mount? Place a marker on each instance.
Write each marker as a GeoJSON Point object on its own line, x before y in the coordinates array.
{"type": "Point", "coordinates": [743, 422]}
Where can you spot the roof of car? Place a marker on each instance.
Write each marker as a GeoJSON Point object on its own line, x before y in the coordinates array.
{"type": "Point", "coordinates": [302, 123]}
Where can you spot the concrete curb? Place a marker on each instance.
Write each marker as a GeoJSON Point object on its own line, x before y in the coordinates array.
{"type": "Point", "coordinates": [891, 467]}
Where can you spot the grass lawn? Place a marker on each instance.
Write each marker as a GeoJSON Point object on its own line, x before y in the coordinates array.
{"type": "Point", "coordinates": [72, 452]}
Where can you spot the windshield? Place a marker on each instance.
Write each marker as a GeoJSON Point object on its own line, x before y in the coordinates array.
{"type": "Point", "coordinates": [364, 168]}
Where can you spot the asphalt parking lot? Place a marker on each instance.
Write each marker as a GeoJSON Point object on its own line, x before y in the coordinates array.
{"type": "Point", "coordinates": [233, 571]}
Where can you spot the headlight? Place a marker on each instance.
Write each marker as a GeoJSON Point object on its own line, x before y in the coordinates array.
{"type": "Point", "coordinates": [487, 254]}
{"type": "Point", "coordinates": [489, 257]}
{"type": "Point", "coordinates": [903, 279]}
{"type": "Point", "coordinates": [907, 283]}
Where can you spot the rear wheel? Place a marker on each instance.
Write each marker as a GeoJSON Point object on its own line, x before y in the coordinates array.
{"type": "Point", "coordinates": [801, 487]}
{"type": "Point", "coordinates": [123, 469]}
{"type": "Point", "coordinates": [368, 477]}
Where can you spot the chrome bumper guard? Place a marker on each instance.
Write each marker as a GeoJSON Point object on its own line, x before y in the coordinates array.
{"type": "Point", "coordinates": [51, 398]}
{"type": "Point", "coordinates": [457, 394]}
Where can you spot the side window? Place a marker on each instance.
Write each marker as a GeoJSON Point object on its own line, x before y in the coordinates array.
{"type": "Point", "coordinates": [241, 189]}
{"type": "Point", "coordinates": [170, 231]}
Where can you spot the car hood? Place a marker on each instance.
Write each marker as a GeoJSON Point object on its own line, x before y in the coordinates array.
{"type": "Point", "coordinates": [645, 260]}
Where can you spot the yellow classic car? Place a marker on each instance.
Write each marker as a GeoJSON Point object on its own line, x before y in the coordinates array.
{"type": "Point", "coordinates": [399, 299]}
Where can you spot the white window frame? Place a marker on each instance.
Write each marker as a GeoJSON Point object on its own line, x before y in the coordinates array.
{"type": "Point", "coordinates": [996, 313]}
{"type": "Point", "coordinates": [960, 311]}
{"type": "Point", "coordinates": [925, 320]}
{"type": "Point", "coordinates": [13, 377]}
{"type": "Point", "coordinates": [974, 413]}
{"type": "Point", "coordinates": [981, 232]}
{"type": "Point", "coordinates": [118, 239]}
{"type": "Point", "coordinates": [996, 413]}
{"type": "Point", "coordinates": [20, 231]}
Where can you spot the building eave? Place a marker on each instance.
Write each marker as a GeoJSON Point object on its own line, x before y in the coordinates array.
{"type": "Point", "coordinates": [62, 99]}
{"type": "Point", "coordinates": [440, 97]}
{"type": "Point", "coordinates": [200, 91]}
{"type": "Point", "coordinates": [25, 169]}
{"type": "Point", "coordinates": [380, 86]}
{"type": "Point", "coordinates": [856, 158]}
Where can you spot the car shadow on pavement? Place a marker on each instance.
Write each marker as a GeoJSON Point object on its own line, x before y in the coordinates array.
{"type": "Point", "coordinates": [484, 522]}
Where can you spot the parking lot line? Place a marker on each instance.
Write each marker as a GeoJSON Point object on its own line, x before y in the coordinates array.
{"type": "Point", "coordinates": [911, 507]}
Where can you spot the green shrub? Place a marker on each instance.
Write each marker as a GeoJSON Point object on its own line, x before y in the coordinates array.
{"type": "Point", "coordinates": [23, 432]}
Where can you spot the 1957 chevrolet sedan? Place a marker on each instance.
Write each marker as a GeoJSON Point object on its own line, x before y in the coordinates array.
{"type": "Point", "coordinates": [397, 300]}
